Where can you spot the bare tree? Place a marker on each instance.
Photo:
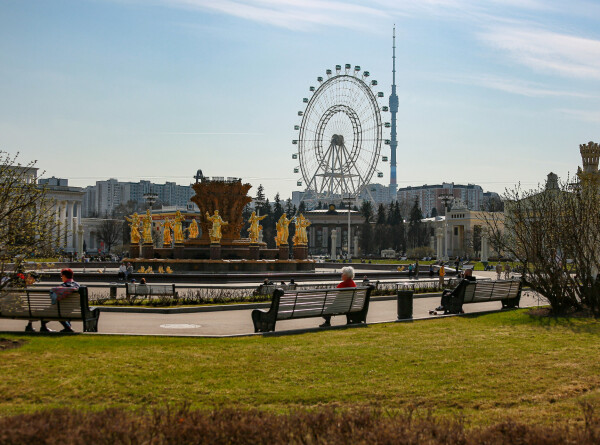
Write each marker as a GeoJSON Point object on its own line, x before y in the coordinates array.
{"type": "Point", "coordinates": [27, 223]}
{"type": "Point", "coordinates": [555, 232]}
{"type": "Point", "coordinates": [110, 233]}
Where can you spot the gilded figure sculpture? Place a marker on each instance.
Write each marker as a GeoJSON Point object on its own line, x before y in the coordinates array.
{"type": "Point", "coordinates": [178, 228]}
{"type": "Point", "coordinates": [167, 226]}
{"type": "Point", "coordinates": [255, 228]}
{"type": "Point", "coordinates": [301, 237]}
{"type": "Point", "coordinates": [193, 230]}
{"type": "Point", "coordinates": [283, 231]}
{"type": "Point", "coordinates": [215, 233]}
{"type": "Point", "coordinates": [135, 228]}
{"type": "Point", "coordinates": [147, 227]}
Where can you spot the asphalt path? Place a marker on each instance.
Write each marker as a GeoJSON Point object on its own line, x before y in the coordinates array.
{"type": "Point", "coordinates": [239, 322]}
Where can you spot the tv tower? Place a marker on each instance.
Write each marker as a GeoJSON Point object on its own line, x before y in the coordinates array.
{"type": "Point", "coordinates": [393, 111]}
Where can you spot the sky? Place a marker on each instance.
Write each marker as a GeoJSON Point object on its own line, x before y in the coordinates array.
{"type": "Point", "coordinates": [491, 92]}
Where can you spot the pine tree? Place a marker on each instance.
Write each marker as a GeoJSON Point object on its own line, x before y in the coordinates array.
{"type": "Point", "coordinates": [260, 193]}
{"type": "Point", "coordinates": [415, 226]}
{"type": "Point", "coordinates": [381, 235]}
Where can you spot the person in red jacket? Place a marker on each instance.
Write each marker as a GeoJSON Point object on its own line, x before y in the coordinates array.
{"type": "Point", "coordinates": [347, 281]}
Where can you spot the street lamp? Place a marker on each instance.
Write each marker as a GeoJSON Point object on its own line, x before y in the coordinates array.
{"type": "Point", "coordinates": [446, 199]}
{"type": "Point", "coordinates": [150, 198]}
{"type": "Point", "coordinates": [349, 200]}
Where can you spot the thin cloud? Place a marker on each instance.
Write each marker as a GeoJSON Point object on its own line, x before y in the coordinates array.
{"type": "Point", "coordinates": [291, 14]}
{"type": "Point", "coordinates": [515, 86]}
{"type": "Point", "coordinates": [200, 133]}
{"type": "Point", "coordinates": [547, 51]}
{"type": "Point", "coordinates": [582, 115]}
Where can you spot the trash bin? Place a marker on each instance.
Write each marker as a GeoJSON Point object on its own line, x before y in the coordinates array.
{"type": "Point", "coordinates": [113, 290]}
{"type": "Point", "coordinates": [405, 304]}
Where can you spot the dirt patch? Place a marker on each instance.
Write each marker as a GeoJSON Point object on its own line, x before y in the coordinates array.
{"type": "Point", "coordinates": [547, 312]}
{"type": "Point", "coordinates": [6, 344]}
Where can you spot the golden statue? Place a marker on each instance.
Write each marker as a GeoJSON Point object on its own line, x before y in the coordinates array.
{"type": "Point", "coordinates": [167, 226]}
{"type": "Point", "coordinates": [147, 227]}
{"type": "Point", "coordinates": [301, 238]}
{"type": "Point", "coordinates": [178, 228]}
{"type": "Point", "coordinates": [283, 231]}
{"type": "Point", "coordinates": [135, 228]}
{"type": "Point", "coordinates": [160, 269]}
{"type": "Point", "coordinates": [215, 232]}
{"type": "Point", "coordinates": [193, 230]}
{"type": "Point", "coordinates": [255, 228]}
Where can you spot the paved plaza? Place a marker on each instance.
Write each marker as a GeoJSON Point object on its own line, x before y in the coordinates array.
{"type": "Point", "coordinates": [239, 322]}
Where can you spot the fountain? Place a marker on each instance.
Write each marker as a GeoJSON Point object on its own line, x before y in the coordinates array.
{"type": "Point", "coordinates": [214, 242]}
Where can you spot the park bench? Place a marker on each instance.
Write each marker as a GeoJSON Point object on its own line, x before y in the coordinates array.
{"type": "Point", "coordinates": [150, 290]}
{"type": "Point", "coordinates": [506, 291]}
{"type": "Point", "coordinates": [35, 304]}
{"type": "Point", "coordinates": [291, 304]}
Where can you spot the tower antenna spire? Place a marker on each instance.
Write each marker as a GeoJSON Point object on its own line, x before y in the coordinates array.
{"type": "Point", "coordinates": [393, 110]}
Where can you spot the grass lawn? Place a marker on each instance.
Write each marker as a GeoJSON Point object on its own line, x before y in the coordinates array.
{"type": "Point", "coordinates": [488, 367]}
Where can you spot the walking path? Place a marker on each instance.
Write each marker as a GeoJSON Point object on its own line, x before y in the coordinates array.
{"type": "Point", "coordinates": [239, 322]}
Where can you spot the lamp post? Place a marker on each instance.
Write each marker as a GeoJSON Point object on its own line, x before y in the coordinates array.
{"type": "Point", "coordinates": [349, 199]}
{"type": "Point", "coordinates": [150, 198]}
{"type": "Point", "coordinates": [446, 199]}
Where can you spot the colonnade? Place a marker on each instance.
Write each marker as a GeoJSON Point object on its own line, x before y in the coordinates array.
{"type": "Point", "coordinates": [68, 229]}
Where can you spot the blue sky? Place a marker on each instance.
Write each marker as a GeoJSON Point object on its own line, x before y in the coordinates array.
{"type": "Point", "coordinates": [491, 92]}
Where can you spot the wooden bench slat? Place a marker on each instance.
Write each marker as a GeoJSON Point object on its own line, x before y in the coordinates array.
{"type": "Point", "coordinates": [291, 304]}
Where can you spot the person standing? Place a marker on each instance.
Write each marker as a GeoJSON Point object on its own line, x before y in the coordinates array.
{"type": "Point", "coordinates": [442, 273]}
{"type": "Point", "coordinates": [498, 270]}
{"type": "Point", "coordinates": [347, 281]}
{"type": "Point", "coordinates": [417, 269]}
{"type": "Point", "coordinates": [506, 270]}
{"type": "Point", "coordinates": [128, 272]}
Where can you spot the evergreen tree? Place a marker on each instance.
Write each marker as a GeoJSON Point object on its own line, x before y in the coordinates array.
{"type": "Point", "coordinates": [366, 210]}
{"type": "Point", "coordinates": [277, 208]}
{"type": "Point", "coordinates": [302, 208]}
{"type": "Point", "coordinates": [366, 238]}
{"type": "Point", "coordinates": [366, 233]}
{"type": "Point", "coordinates": [260, 193]}
{"type": "Point", "coordinates": [381, 235]}
{"type": "Point", "coordinates": [416, 231]}
{"type": "Point", "coordinates": [434, 212]}
{"type": "Point", "coordinates": [381, 215]}
{"type": "Point", "coordinates": [289, 208]}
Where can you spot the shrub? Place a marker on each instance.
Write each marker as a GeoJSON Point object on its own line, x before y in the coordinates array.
{"type": "Point", "coordinates": [319, 426]}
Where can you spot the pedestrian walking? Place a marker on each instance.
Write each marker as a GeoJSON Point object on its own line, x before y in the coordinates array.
{"type": "Point", "coordinates": [506, 271]}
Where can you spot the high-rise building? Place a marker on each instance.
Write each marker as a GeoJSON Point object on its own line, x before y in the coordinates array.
{"type": "Point", "coordinates": [470, 195]}
{"type": "Point", "coordinates": [104, 197]}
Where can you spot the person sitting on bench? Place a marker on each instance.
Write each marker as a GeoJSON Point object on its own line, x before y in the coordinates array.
{"type": "Point", "coordinates": [347, 281]}
{"type": "Point", "coordinates": [448, 292]}
{"type": "Point", "coordinates": [67, 287]}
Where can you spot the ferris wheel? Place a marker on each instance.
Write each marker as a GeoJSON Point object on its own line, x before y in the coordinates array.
{"type": "Point", "coordinates": [340, 135]}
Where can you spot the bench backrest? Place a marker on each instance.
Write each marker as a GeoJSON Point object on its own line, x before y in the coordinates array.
{"type": "Point", "coordinates": [492, 291]}
{"type": "Point", "coordinates": [315, 303]}
{"type": "Point", "coordinates": [150, 289]}
{"type": "Point", "coordinates": [36, 304]}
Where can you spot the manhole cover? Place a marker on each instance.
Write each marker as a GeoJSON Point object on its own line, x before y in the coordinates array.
{"type": "Point", "coordinates": [179, 326]}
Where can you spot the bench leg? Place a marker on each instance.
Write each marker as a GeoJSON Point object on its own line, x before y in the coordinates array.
{"type": "Point", "coordinates": [262, 322]}
{"type": "Point", "coordinates": [356, 318]}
